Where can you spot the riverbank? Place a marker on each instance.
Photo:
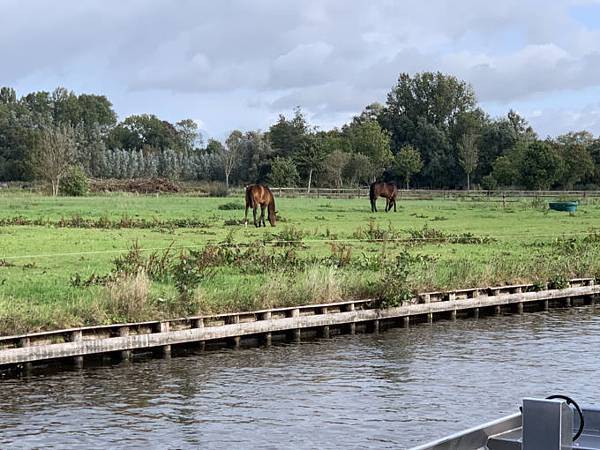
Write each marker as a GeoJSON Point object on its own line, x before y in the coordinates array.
{"type": "Point", "coordinates": [254, 328]}
{"type": "Point", "coordinates": [69, 262]}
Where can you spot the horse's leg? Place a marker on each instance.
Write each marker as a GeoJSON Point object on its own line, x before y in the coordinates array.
{"type": "Point", "coordinates": [374, 205]}
{"type": "Point", "coordinates": [246, 215]}
{"type": "Point", "coordinates": [254, 213]}
{"type": "Point", "coordinates": [262, 215]}
{"type": "Point", "coordinates": [394, 204]}
{"type": "Point", "coordinates": [387, 204]}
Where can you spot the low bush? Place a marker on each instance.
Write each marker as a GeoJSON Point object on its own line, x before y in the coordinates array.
{"type": "Point", "coordinates": [230, 206]}
{"type": "Point", "coordinates": [75, 183]}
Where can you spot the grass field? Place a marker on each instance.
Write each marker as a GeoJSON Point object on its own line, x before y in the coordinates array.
{"type": "Point", "coordinates": [57, 255]}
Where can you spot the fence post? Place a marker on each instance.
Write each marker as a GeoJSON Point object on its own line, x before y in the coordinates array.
{"type": "Point", "coordinates": [77, 336]}
{"type": "Point", "coordinates": [125, 354]}
{"type": "Point", "coordinates": [164, 327]}
{"type": "Point", "coordinates": [199, 323]}
{"type": "Point", "coordinates": [26, 342]}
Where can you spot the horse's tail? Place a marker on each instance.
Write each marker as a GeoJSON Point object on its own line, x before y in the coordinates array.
{"type": "Point", "coordinates": [372, 192]}
{"type": "Point", "coordinates": [271, 209]}
{"type": "Point", "coordinates": [373, 197]}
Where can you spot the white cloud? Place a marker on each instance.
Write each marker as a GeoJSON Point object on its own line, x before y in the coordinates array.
{"type": "Point", "coordinates": [330, 56]}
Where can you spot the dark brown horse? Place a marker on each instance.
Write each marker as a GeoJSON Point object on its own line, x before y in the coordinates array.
{"type": "Point", "coordinates": [386, 190]}
{"type": "Point", "coordinates": [260, 195]}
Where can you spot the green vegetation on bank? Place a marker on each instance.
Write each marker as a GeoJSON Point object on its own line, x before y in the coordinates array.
{"type": "Point", "coordinates": [79, 261]}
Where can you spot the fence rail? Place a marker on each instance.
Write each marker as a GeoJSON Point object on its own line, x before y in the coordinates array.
{"type": "Point", "coordinates": [145, 336]}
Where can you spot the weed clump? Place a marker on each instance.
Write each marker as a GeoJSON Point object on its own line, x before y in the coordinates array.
{"type": "Point", "coordinates": [394, 277]}
{"type": "Point", "coordinates": [373, 232]}
{"type": "Point", "coordinates": [230, 206]}
{"type": "Point", "coordinates": [433, 235]}
{"type": "Point", "coordinates": [127, 298]}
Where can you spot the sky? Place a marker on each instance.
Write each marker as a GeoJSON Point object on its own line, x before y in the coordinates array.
{"type": "Point", "coordinates": [238, 64]}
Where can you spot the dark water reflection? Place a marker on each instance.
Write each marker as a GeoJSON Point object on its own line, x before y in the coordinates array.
{"type": "Point", "coordinates": [392, 390]}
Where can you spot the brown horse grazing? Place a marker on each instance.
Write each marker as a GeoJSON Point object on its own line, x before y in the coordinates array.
{"type": "Point", "coordinates": [260, 195]}
{"type": "Point", "coordinates": [386, 190]}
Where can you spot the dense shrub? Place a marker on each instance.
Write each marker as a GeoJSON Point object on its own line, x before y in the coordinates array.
{"type": "Point", "coordinates": [489, 183]}
{"type": "Point", "coordinates": [75, 183]}
{"type": "Point", "coordinates": [284, 173]}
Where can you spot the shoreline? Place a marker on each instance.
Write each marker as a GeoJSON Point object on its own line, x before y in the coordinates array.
{"type": "Point", "coordinates": [23, 353]}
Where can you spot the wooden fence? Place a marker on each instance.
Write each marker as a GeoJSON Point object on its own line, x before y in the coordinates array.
{"type": "Point", "coordinates": [434, 193]}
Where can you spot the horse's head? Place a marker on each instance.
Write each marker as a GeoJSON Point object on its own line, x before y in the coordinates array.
{"type": "Point", "coordinates": [273, 218]}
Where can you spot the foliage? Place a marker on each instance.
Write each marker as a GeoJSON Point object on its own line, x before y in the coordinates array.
{"type": "Point", "coordinates": [436, 114]}
{"type": "Point", "coordinates": [283, 172]}
{"type": "Point", "coordinates": [187, 273]}
{"type": "Point", "coordinates": [230, 153]}
{"type": "Point", "coordinates": [146, 131]}
{"type": "Point", "coordinates": [358, 169]}
{"type": "Point", "coordinates": [54, 155]}
{"type": "Point", "coordinates": [408, 162]}
{"type": "Point", "coordinates": [489, 183]}
{"type": "Point", "coordinates": [369, 139]}
{"type": "Point", "coordinates": [231, 206]}
{"type": "Point", "coordinates": [435, 97]}
{"type": "Point", "coordinates": [286, 136]}
{"type": "Point", "coordinates": [75, 183]}
{"type": "Point", "coordinates": [309, 157]}
{"type": "Point", "coordinates": [394, 277]}
{"type": "Point", "coordinates": [578, 163]}
{"type": "Point", "coordinates": [541, 166]}
{"type": "Point", "coordinates": [468, 154]}
{"type": "Point", "coordinates": [505, 172]}
{"type": "Point", "coordinates": [335, 163]}
{"type": "Point", "coordinates": [255, 159]}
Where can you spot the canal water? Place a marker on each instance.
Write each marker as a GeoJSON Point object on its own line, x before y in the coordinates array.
{"type": "Point", "coordinates": [395, 389]}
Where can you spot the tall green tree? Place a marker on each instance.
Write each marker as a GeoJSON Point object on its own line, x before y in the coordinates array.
{"type": "Point", "coordinates": [334, 165]}
{"type": "Point", "coordinates": [54, 155]}
{"type": "Point", "coordinates": [309, 157]}
{"type": "Point", "coordinates": [8, 96]}
{"type": "Point", "coordinates": [369, 139]}
{"type": "Point", "coordinates": [288, 136]}
{"type": "Point", "coordinates": [577, 162]}
{"type": "Point", "coordinates": [96, 113]}
{"type": "Point", "coordinates": [144, 131]}
{"type": "Point", "coordinates": [255, 158]}
{"type": "Point", "coordinates": [435, 97]}
{"type": "Point", "coordinates": [422, 111]}
{"type": "Point", "coordinates": [189, 134]}
{"type": "Point", "coordinates": [283, 173]}
{"type": "Point", "coordinates": [541, 166]}
{"type": "Point", "coordinates": [358, 169]}
{"type": "Point", "coordinates": [18, 135]}
{"type": "Point", "coordinates": [505, 171]}
{"type": "Point", "coordinates": [594, 149]}
{"type": "Point", "coordinates": [408, 162]}
{"type": "Point", "coordinates": [230, 153]}
{"type": "Point", "coordinates": [468, 153]}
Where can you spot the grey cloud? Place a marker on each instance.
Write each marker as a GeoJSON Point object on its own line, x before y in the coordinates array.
{"type": "Point", "coordinates": [330, 56]}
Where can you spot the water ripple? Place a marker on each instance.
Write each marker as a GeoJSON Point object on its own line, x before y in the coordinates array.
{"type": "Point", "coordinates": [366, 391]}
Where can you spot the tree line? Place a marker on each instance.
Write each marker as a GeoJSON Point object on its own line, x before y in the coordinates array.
{"type": "Point", "coordinates": [430, 133]}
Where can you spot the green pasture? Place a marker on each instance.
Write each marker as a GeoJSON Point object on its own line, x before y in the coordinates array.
{"type": "Point", "coordinates": [482, 243]}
